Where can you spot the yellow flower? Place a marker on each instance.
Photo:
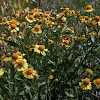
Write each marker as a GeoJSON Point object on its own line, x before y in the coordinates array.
{"type": "Point", "coordinates": [89, 71]}
{"type": "Point", "coordinates": [52, 70]}
{"type": "Point", "coordinates": [51, 77]}
{"type": "Point", "coordinates": [40, 49]}
{"type": "Point", "coordinates": [29, 73]}
{"type": "Point", "coordinates": [97, 82]}
{"type": "Point", "coordinates": [71, 29]}
{"type": "Point", "coordinates": [15, 15]}
{"type": "Point", "coordinates": [31, 47]}
{"type": "Point", "coordinates": [21, 65]}
{"type": "Point", "coordinates": [15, 57]}
{"type": "Point", "coordinates": [66, 43]}
{"type": "Point", "coordinates": [37, 76]}
{"type": "Point", "coordinates": [13, 28]}
{"type": "Point", "coordinates": [30, 18]}
{"type": "Point", "coordinates": [51, 41]}
{"type": "Point", "coordinates": [37, 29]}
{"type": "Point", "coordinates": [63, 19]}
{"type": "Point", "coordinates": [14, 22]}
{"type": "Point", "coordinates": [5, 59]}
{"type": "Point", "coordinates": [88, 8]}
{"type": "Point", "coordinates": [1, 72]}
{"type": "Point", "coordinates": [86, 19]}
{"type": "Point", "coordinates": [64, 7]}
{"type": "Point", "coordinates": [4, 21]}
{"type": "Point", "coordinates": [85, 84]}
{"type": "Point", "coordinates": [96, 21]}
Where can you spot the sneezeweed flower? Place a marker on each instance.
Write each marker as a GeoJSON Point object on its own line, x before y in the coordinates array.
{"type": "Point", "coordinates": [30, 18]}
{"type": "Point", "coordinates": [21, 65]}
{"type": "Point", "coordinates": [47, 12]}
{"type": "Point", "coordinates": [60, 15]}
{"type": "Point", "coordinates": [45, 15]}
{"type": "Point", "coordinates": [86, 19]}
{"type": "Point", "coordinates": [29, 73]}
{"type": "Point", "coordinates": [16, 56]}
{"type": "Point", "coordinates": [4, 21]}
{"type": "Point", "coordinates": [62, 25]}
{"type": "Point", "coordinates": [63, 19]}
{"type": "Point", "coordinates": [15, 15]}
{"type": "Point", "coordinates": [13, 28]}
{"type": "Point", "coordinates": [88, 8]}
{"type": "Point", "coordinates": [66, 43]}
{"type": "Point", "coordinates": [71, 29]}
{"type": "Point", "coordinates": [97, 82]}
{"type": "Point", "coordinates": [22, 24]}
{"type": "Point", "coordinates": [89, 71]}
{"type": "Point", "coordinates": [51, 77]}
{"type": "Point", "coordinates": [37, 29]}
{"type": "Point", "coordinates": [96, 20]}
{"type": "Point", "coordinates": [78, 15]}
{"type": "Point", "coordinates": [14, 22]}
{"type": "Point", "coordinates": [75, 37]}
{"type": "Point", "coordinates": [85, 84]}
{"type": "Point", "coordinates": [32, 47]}
{"type": "Point", "coordinates": [5, 59]}
{"type": "Point", "coordinates": [3, 42]}
{"type": "Point", "coordinates": [50, 41]}
{"type": "Point", "coordinates": [37, 76]}
{"type": "Point", "coordinates": [1, 72]}
{"type": "Point", "coordinates": [64, 7]}
{"type": "Point", "coordinates": [40, 49]}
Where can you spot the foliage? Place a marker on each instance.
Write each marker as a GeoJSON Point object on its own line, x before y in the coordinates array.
{"type": "Point", "coordinates": [50, 50]}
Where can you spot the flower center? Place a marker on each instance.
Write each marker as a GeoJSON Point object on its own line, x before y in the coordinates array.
{"type": "Point", "coordinates": [40, 10]}
{"type": "Point", "coordinates": [13, 26]}
{"type": "Point", "coordinates": [30, 17]}
{"type": "Point", "coordinates": [3, 57]}
{"type": "Point", "coordinates": [88, 7]}
{"type": "Point", "coordinates": [45, 15]}
{"type": "Point", "coordinates": [18, 53]}
{"type": "Point", "coordinates": [37, 27]}
{"type": "Point", "coordinates": [47, 12]}
{"type": "Point", "coordinates": [15, 56]}
{"type": "Point", "coordinates": [78, 15]}
{"type": "Point", "coordinates": [62, 24]}
{"type": "Point", "coordinates": [4, 20]}
{"type": "Point", "coordinates": [53, 19]}
{"type": "Point", "coordinates": [97, 18]}
{"type": "Point", "coordinates": [21, 63]}
{"type": "Point", "coordinates": [86, 17]}
{"type": "Point", "coordinates": [41, 47]}
{"type": "Point", "coordinates": [64, 6]}
{"type": "Point", "coordinates": [71, 28]}
{"type": "Point", "coordinates": [29, 71]}
{"type": "Point", "coordinates": [66, 42]}
{"type": "Point", "coordinates": [86, 81]}
{"type": "Point", "coordinates": [23, 23]}
{"type": "Point", "coordinates": [15, 15]}
{"type": "Point", "coordinates": [98, 81]}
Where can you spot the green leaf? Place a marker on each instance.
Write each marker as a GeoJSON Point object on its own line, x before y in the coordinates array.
{"type": "Point", "coordinates": [19, 3]}
{"type": "Point", "coordinates": [92, 38]}
{"type": "Point", "coordinates": [1, 98]}
{"type": "Point", "coordinates": [69, 95]}
{"type": "Point", "coordinates": [12, 43]}
{"type": "Point", "coordinates": [71, 69]}
{"type": "Point", "coordinates": [27, 87]}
